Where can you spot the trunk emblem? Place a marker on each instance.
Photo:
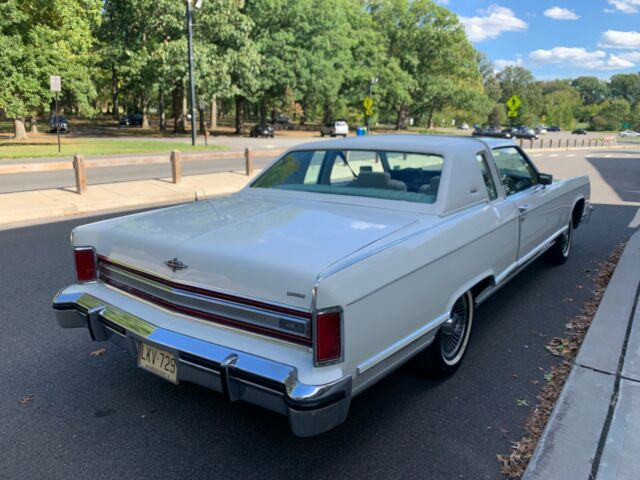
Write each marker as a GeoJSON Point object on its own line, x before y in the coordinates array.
{"type": "Point", "coordinates": [175, 265]}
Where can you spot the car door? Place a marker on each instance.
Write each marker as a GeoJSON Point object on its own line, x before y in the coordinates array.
{"type": "Point", "coordinates": [519, 177]}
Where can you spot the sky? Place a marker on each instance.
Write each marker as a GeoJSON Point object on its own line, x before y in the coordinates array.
{"type": "Point", "coordinates": [555, 38]}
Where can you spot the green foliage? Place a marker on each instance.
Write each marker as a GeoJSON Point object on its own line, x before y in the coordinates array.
{"type": "Point", "coordinates": [591, 89]}
{"type": "Point", "coordinates": [39, 38]}
{"type": "Point", "coordinates": [612, 115]}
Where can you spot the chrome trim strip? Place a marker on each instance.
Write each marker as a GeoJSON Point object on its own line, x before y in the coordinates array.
{"type": "Point", "coordinates": [399, 345]}
{"type": "Point", "coordinates": [204, 287]}
{"type": "Point", "coordinates": [241, 313]}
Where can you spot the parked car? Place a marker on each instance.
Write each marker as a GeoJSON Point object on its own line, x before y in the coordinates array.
{"type": "Point", "coordinates": [541, 129]}
{"type": "Point", "coordinates": [463, 126]}
{"type": "Point", "coordinates": [333, 267]}
{"type": "Point", "coordinates": [334, 129]}
{"type": "Point", "coordinates": [134, 120]}
{"type": "Point", "coordinates": [261, 131]}
{"type": "Point", "coordinates": [280, 122]}
{"type": "Point", "coordinates": [554, 128]}
{"type": "Point", "coordinates": [579, 131]}
{"type": "Point", "coordinates": [526, 133]}
{"type": "Point", "coordinates": [629, 133]}
{"type": "Point", "coordinates": [492, 132]}
{"type": "Point", "coordinates": [63, 125]}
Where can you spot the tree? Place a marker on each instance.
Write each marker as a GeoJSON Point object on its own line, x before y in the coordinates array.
{"type": "Point", "coordinates": [625, 85]}
{"type": "Point", "coordinates": [592, 89]}
{"type": "Point", "coordinates": [516, 80]}
{"type": "Point", "coordinates": [612, 115]}
{"type": "Point", "coordinates": [39, 38]}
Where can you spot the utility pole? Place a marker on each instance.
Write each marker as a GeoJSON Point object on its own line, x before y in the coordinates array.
{"type": "Point", "coordinates": [192, 85]}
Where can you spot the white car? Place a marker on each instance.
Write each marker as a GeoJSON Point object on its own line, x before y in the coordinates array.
{"type": "Point", "coordinates": [333, 267]}
{"type": "Point", "coordinates": [629, 133]}
{"type": "Point", "coordinates": [335, 129]}
{"type": "Point", "coordinates": [541, 129]}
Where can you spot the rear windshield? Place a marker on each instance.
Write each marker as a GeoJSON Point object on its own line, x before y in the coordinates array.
{"type": "Point", "coordinates": [413, 177]}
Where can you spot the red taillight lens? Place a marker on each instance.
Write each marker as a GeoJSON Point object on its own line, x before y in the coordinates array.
{"type": "Point", "coordinates": [328, 345]}
{"type": "Point", "coordinates": [85, 264]}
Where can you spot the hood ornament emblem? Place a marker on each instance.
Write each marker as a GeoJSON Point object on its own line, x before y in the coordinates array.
{"type": "Point", "coordinates": [175, 265]}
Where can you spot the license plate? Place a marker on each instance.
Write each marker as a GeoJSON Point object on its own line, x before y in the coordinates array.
{"type": "Point", "coordinates": [158, 361]}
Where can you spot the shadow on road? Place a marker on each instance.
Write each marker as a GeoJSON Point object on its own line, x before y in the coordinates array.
{"type": "Point", "coordinates": [617, 173]}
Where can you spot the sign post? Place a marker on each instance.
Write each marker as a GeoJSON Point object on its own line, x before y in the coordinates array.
{"type": "Point", "coordinates": [368, 110]}
{"type": "Point", "coordinates": [56, 86]}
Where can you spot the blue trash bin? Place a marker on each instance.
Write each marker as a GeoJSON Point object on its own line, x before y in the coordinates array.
{"type": "Point", "coordinates": [360, 131]}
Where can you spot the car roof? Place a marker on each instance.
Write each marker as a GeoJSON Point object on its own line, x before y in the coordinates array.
{"type": "Point", "coordinates": [437, 144]}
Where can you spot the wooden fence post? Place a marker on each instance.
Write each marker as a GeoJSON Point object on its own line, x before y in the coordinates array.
{"type": "Point", "coordinates": [583, 142]}
{"type": "Point", "coordinates": [567, 144]}
{"type": "Point", "coordinates": [176, 166]}
{"type": "Point", "coordinates": [589, 142]}
{"type": "Point", "coordinates": [248, 161]}
{"type": "Point", "coordinates": [81, 174]}
{"type": "Point", "coordinates": [541, 142]}
{"type": "Point", "coordinates": [551, 143]}
{"type": "Point", "coordinates": [596, 142]}
{"type": "Point", "coordinates": [531, 143]}
{"type": "Point", "coordinates": [521, 140]}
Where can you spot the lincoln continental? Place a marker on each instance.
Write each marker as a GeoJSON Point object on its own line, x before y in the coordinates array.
{"type": "Point", "coordinates": [335, 265]}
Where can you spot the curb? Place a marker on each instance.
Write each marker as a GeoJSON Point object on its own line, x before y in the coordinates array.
{"type": "Point", "coordinates": [592, 425]}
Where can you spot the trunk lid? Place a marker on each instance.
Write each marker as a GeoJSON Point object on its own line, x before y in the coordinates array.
{"type": "Point", "coordinates": [264, 248]}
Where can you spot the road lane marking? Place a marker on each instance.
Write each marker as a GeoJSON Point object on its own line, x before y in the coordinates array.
{"type": "Point", "coordinates": [635, 223]}
{"type": "Point", "coordinates": [553, 155]}
{"type": "Point", "coordinates": [571, 155]}
{"type": "Point", "coordinates": [537, 154]}
{"type": "Point", "coordinates": [608, 156]}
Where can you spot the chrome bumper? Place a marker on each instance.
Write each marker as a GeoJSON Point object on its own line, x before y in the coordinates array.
{"type": "Point", "coordinates": [311, 409]}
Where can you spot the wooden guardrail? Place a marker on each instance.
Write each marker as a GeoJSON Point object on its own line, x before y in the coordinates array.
{"type": "Point", "coordinates": [567, 143]}
{"type": "Point", "coordinates": [175, 159]}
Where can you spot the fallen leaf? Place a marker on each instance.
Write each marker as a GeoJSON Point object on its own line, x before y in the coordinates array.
{"type": "Point", "coordinates": [98, 352]}
{"type": "Point", "coordinates": [522, 402]}
{"type": "Point", "coordinates": [26, 399]}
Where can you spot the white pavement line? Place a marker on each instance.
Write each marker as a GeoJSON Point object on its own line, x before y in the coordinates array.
{"type": "Point", "coordinates": [608, 156]}
{"type": "Point", "coordinates": [635, 223]}
{"type": "Point", "coordinates": [553, 155]}
{"type": "Point", "coordinates": [571, 155]}
{"type": "Point", "coordinates": [537, 154]}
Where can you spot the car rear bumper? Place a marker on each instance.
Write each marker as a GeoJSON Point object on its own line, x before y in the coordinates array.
{"type": "Point", "coordinates": [311, 409]}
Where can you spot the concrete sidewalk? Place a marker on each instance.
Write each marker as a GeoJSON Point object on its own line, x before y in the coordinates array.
{"type": "Point", "coordinates": [21, 208]}
{"type": "Point", "coordinates": [594, 430]}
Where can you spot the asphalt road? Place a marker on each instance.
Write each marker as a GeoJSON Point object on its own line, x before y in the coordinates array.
{"type": "Point", "coordinates": [101, 417]}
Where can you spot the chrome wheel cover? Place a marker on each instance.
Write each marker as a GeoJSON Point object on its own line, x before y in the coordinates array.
{"type": "Point", "coordinates": [454, 332]}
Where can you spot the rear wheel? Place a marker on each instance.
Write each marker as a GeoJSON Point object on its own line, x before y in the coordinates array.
{"type": "Point", "coordinates": [445, 354]}
{"type": "Point", "coordinates": [559, 252]}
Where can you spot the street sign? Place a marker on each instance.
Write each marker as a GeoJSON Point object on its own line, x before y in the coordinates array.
{"type": "Point", "coordinates": [513, 104]}
{"type": "Point", "coordinates": [56, 84]}
{"type": "Point", "coordinates": [368, 105]}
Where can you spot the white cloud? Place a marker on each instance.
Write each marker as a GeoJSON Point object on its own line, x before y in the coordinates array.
{"type": "Point", "coordinates": [625, 6]}
{"type": "Point", "coordinates": [501, 64]}
{"type": "Point", "coordinates": [580, 58]}
{"type": "Point", "coordinates": [618, 39]}
{"type": "Point", "coordinates": [491, 23]}
{"type": "Point", "coordinates": [559, 13]}
{"type": "Point", "coordinates": [630, 56]}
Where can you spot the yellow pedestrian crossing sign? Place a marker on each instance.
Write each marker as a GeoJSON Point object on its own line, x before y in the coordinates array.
{"type": "Point", "coordinates": [368, 105]}
{"type": "Point", "coordinates": [513, 104]}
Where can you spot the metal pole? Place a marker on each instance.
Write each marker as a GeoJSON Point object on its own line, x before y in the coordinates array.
{"type": "Point", "coordinates": [192, 86]}
{"type": "Point", "coordinates": [57, 124]}
{"type": "Point", "coordinates": [368, 116]}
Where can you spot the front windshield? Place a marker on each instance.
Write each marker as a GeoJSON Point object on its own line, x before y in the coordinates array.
{"type": "Point", "coordinates": [412, 177]}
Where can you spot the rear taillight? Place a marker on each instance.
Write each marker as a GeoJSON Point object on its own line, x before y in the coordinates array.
{"type": "Point", "coordinates": [85, 264]}
{"type": "Point", "coordinates": [328, 336]}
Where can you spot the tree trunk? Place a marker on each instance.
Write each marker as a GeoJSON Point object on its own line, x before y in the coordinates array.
{"type": "Point", "coordinates": [213, 123]}
{"type": "Point", "coordinates": [176, 106]}
{"type": "Point", "coordinates": [115, 93]}
{"type": "Point", "coordinates": [201, 119]}
{"type": "Point", "coordinates": [239, 115]}
{"type": "Point", "coordinates": [326, 113]}
{"type": "Point", "coordinates": [263, 111]}
{"type": "Point", "coordinates": [430, 117]}
{"type": "Point", "coordinates": [33, 120]}
{"type": "Point", "coordinates": [145, 115]}
{"type": "Point", "coordinates": [162, 120]}
{"type": "Point", "coordinates": [401, 121]}
{"type": "Point", "coordinates": [19, 132]}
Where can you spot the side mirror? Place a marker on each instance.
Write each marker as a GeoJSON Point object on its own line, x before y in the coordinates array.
{"type": "Point", "coordinates": [545, 179]}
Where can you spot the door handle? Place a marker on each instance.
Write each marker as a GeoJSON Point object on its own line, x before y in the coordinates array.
{"type": "Point", "coordinates": [524, 208]}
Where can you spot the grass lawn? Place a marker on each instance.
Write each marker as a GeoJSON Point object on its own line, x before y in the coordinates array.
{"type": "Point", "coordinates": [41, 147]}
